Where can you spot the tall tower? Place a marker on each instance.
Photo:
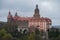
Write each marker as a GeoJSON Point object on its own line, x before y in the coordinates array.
{"type": "Point", "coordinates": [15, 17]}
{"type": "Point", "coordinates": [16, 14]}
{"type": "Point", "coordinates": [9, 18]}
{"type": "Point", "coordinates": [36, 12]}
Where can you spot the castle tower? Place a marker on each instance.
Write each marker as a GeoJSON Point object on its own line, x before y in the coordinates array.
{"type": "Point", "coordinates": [9, 18]}
{"type": "Point", "coordinates": [36, 12]}
{"type": "Point", "coordinates": [16, 16]}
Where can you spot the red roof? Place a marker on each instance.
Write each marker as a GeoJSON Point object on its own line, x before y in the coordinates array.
{"type": "Point", "coordinates": [17, 18]}
{"type": "Point", "coordinates": [31, 18]}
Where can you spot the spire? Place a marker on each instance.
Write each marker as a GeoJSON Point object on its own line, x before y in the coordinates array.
{"type": "Point", "coordinates": [16, 14]}
{"type": "Point", "coordinates": [9, 17]}
{"type": "Point", "coordinates": [36, 12]}
{"type": "Point", "coordinates": [36, 6]}
{"type": "Point", "coordinates": [9, 13]}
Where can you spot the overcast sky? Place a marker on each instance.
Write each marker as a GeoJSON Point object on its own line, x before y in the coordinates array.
{"type": "Point", "coordinates": [48, 8]}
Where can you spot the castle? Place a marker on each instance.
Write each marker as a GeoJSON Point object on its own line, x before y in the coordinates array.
{"type": "Point", "coordinates": [43, 23]}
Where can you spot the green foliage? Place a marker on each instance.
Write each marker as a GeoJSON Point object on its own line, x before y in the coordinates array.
{"type": "Point", "coordinates": [7, 37]}
{"type": "Point", "coordinates": [37, 31]}
{"type": "Point", "coordinates": [38, 34]}
{"type": "Point", "coordinates": [54, 34]}
{"type": "Point", "coordinates": [31, 36]}
{"type": "Point", "coordinates": [58, 38]}
{"type": "Point", "coordinates": [4, 35]}
{"type": "Point", "coordinates": [9, 31]}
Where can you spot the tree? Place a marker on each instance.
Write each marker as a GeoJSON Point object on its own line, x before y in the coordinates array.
{"type": "Point", "coordinates": [58, 38]}
{"type": "Point", "coordinates": [31, 36]}
{"type": "Point", "coordinates": [53, 33]}
{"type": "Point", "coordinates": [7, 37]}
{"type": "Point", "coordinates": [2, 32]}
{"type": "Point", "coordinates": [4, 35]}
{"type": "Point", "coordinates": [38, 34]}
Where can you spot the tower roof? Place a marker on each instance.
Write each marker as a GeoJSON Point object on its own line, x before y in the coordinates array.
{"type": "Point", "coordinates": [16, 14]}
{"type": "Point", "coordinates": [36, 5]}
{"type": "Point", "coordinates": [9, 15]}
{"type": "Point", "coordinates": [9, 12]}
{"type": "Point", "coordinates": [36, 12]}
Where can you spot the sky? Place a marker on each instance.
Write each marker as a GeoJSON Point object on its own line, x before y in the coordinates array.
{"type": "Point", "coordinates": [47, 8]}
